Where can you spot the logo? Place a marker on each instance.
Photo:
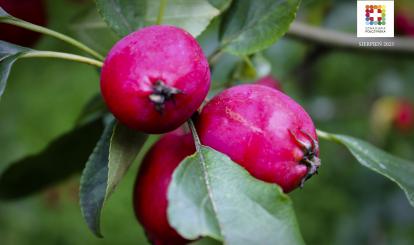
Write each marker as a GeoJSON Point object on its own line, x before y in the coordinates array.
{"type": "Point", "coordinates": [375, 14]}
{"type": "Point", "coordinates": [375, 18]}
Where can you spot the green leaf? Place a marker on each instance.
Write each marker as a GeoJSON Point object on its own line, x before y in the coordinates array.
{"type": "Point", "coordinates": [210, 195]}
{"type": "Point", "coordinates": [125, 145]}
{"type": "Point", "coordinates": [220, 4]}
{"type": "Point", "coordinates": [126, 16]}
{"type": "Point", "coordinates": [9, 53]}
{"type": "Point", "coordinates": [63, 157]}
{"type": "Point", "coordinates": [123, 16]}
{"type": "Point", "coordinates": [90, 29]}
{"type": "Point", "coordinates": [113, 154]}
{"type": "Point", "coordinates": [94, 181]}
{"type": "Point", "coordinates": [396, 169]}
{"type": "Point", "coordinates": [251, 26]}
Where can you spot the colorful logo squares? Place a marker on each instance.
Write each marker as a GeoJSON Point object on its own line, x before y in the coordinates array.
{"type": "Point", "coordinates": [375, 14]}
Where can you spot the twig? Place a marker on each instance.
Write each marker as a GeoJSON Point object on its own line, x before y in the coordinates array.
{"type": "Point", "coordinates": [331, 38]}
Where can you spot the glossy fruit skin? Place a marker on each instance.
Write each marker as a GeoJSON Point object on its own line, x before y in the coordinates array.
{"type": "Point", "coordinates": [270, 82]}
{"type": "Point", "coordinates": [138, 61]}
{"type": "Point", "coordinates": [255, 126]}
{"type": "Point", "coordinates": [404, 116]}
{"type": "Point", "coordinates": [150, 192]}
{"type": "Point", "coordinates": [33, 11]}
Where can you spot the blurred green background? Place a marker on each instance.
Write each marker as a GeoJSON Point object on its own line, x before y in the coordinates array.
{"type": "Point", "coordinates": [344, 204]}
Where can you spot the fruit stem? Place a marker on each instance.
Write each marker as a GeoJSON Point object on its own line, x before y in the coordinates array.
{"type": "Point", "coordinates": [249, 63]}
{"type": "Point", "coordinates": [163, 4]}
{"type": "Point", "coordinates": [27, 25]}
{"type": "Point", "coordinates": [60, 55]}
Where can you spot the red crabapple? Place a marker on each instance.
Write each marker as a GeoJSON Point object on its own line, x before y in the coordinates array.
{"type": "Point", "coordinates": [264, 131]}
{"type": "Point", "coordinates": [151, 186]}
{"type": "Point", "coordinates": [270, 82]}
{"type": "Point", "coordinates": [404, 116]}
{"type": "Point", "coordinates": [33, 11]}
{"type": "Point", "coordinates": [154, 79]}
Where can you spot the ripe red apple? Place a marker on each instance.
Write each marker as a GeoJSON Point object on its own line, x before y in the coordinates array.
{"type": "Point", "coordinates": [151, 186]}
{"type": "Point", "coordinates": [154, 79]}
{"type": "Point", "coordinates": [264, 131]}
{"type": "Point", "coordinates": [33, 11]}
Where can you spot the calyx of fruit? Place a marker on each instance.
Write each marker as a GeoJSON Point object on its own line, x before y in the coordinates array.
{"type": "Point", "coordinates": [310, 158]}
{"type": "Point", "coordinates": [162, 93]}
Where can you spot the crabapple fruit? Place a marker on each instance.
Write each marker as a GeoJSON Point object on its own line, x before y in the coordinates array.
{"type": "Point", "coordinates": [33, 11]}
{"type": "Point", "coordinates": [154, 79]}
{"type": "Point", "coordinates": [270, 82]}
{"type": "Point", "coordinates": [264, 131]}
{"type": "Point", "coordinates": [404, 116]}
{"type": "Point", "coordinates": [151, 186]}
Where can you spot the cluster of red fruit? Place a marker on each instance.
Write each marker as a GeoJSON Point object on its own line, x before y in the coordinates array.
{"type": "Point", "coordinates": [155, 79]}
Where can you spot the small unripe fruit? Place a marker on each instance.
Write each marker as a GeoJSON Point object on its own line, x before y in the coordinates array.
{"type": "Point", "coordinates": [264, 131]}
{"type": "Point", "coordinates": [151, 186]}
{"type": "Point", "coordinates": [404, 116]}
{"type": "Point", "coordinates": [154, 79]}
{"type": "Point", "coordinates": [270, 82]}
{"type": "Point", "coordinates": [32, 11]}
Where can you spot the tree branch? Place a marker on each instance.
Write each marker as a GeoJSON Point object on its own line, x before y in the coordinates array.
{"type": "Point", "coordinates": [335, 39]}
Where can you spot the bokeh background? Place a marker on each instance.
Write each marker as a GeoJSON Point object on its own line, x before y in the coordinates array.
{"type": "Point", "coordinates": [344, 204]}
